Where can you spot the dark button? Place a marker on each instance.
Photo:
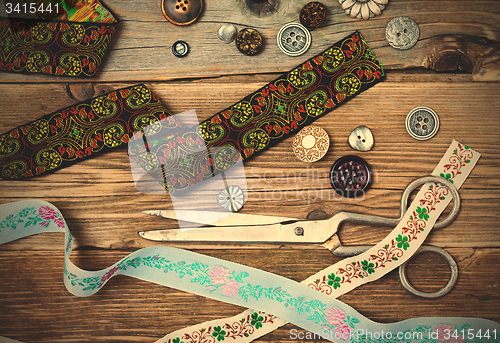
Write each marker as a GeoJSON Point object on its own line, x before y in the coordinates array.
{"type": "Point", "coordinates": [249, 41]}
{"type": "Point", "coordinates": [350, 176]}
{"type": "Point", "coordinates": [181, 12]}
{"type": "Point", "coordinates": [180, 48]}
{"type": "Point", "coordinates": [313, 15]}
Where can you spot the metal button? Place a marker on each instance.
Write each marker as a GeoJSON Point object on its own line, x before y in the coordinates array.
{"type": "Point", "coordinates": [181, 12]}
{"type": "Point", "coordinates": [294, 39]}
{"type": "Point", "coordinates": [313, 15]}
{"type": "Point", "coordinates": [361, 139]}
{"type": "Point", "coordinates": [311, 144]}
{"type": "Point", "coordinates": [422, 123]}
{"type": "Point", "coordinates": [249, 41]}
{"type": "Point", "coordinates": [231, 198]}
{"type": "Point", "coordinates": [350, 176]}
{"type": "Point", "coordinates": [402, 33]}
{"type": "Point", "coordinates": [180, 48]}
{"type": "Point", "coordinates": [227, 33]}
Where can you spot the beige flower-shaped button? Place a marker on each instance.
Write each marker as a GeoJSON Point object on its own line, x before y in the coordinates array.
{"type": "Point", "coordinates": [311, 144]}
{"type": "Point", "coordinates": [363, 9]}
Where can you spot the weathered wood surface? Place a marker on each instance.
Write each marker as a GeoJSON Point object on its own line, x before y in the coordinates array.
{"type": "Point", "coordinates": [457, 35]}
{"type": "Point", "coordinates": [102, 206]}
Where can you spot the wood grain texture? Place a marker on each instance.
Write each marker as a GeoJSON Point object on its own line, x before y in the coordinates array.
{"type": "Point", "coordinates": [102, 206]}
{"type": "Point", "coordinates": [462, 35]}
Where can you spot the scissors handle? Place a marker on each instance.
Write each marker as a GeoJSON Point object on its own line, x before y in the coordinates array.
{"type": "Point", "coordinates": [348, 251]}
{"type": "Point", "coordinates": [385, 221]}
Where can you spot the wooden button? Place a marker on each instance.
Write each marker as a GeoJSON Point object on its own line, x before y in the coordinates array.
{"type": "Point", "coordinates": [311, 144]}
{"type": "Point", "coordinates": [249, 41]}
{"type": "Point", "coordinates": [181, 12]}
{"type": "Point", "coordinates": [313, 15]}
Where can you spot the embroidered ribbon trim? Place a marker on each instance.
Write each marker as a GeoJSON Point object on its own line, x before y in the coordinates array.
{"type": "Point", "coordinates": [78, 132]}
{"type": "Point", "coordinates": [262, 119]}
{"type": "Point", "coordinates": [220, 280]}
{"type": "Point", "coordinates": [344, 276]}
{"type": "Point", "coordinates": [71, 41]}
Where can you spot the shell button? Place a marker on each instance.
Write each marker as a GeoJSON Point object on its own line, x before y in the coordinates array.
{"type": "Point", "coordinates": [231, 198]}
{"type": "Point", "coordinates": [180, 48]}
{"type": "Point", "coordinates": [313, 15]}
{"type": "Point", "coordinates": [249, 41]}
{"type": "Point", "coordinates": [402, 33]}
{"type": "Point", "coordinates": [350, 176]}
{"type": "Point", "coordinates": [311, 144]}
{"type": "Point", "coordinates": [181, 12]}
{"type": "Point", "coordinates": [361, 139]}
{"type": "Point", "coordinates": [422, 123]}
{"type": "Point", "coordinates": [294, 39]}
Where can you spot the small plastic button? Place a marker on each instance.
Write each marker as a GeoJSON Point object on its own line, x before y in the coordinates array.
{"type": "Point", "coordinates": [422, 123]}
{"type": "Point", "coordinates": [180, 48]}
{"type": "Point", "coordinates": [350, 176]}
{"type": "Point", "coordinates": [313, 15]}
{"type": "Point", "coordinates": [311, 144]}
{"type": "Point", "coordinates": [249, 41]}
{"type": "Point", "coordinates": [227, 33]}
{"type": "Point", "coordinates": [231, 198]}
{"type": "Point", "coordinates": [181, 12]}
{"type": "Point", "coordinates": [402, 33]}
{"type": "Point", "coordinates": [294, 39]}
{"type": "Point", "coordinates": [361, 139]}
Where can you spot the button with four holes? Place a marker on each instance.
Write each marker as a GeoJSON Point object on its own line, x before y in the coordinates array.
{"type": "Point", "coordinates": [181, 12]}
{"type": "Point", "coordinates": [294, 39]}
{"type": "Point", "coordinates": [350, 176]}
{"type": "Point", "coordinates": [422, 123]}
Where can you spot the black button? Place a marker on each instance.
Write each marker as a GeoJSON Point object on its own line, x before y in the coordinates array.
{"type": "Point", "coordinates": [180, 48]}
{"type": "Point", "coordinates": [350, 176]}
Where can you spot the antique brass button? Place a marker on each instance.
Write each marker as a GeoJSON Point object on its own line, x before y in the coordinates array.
{"type": "Point", "coordinates": [422, 123]}
{"type": "Point", "coordinates": [402, 33]}
{"type": "Point", "coordinates": [249, 41]}
{"type": "Point", "coordinates": [181, 12]}
{"type": "Point", "coordinates": [180, 48]}
{"type": "Point", "coordinates": [350, 176]}
{"type": "Point", "coordinates": [313, 15]}
{"type": "Point", "coordinates": [361, 139]}
{"type": "Point", "coordinates": [294, 39]}
{"type": "Point", "coordinates": [311, 144]}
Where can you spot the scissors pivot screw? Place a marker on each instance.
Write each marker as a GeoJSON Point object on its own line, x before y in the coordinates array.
{"type": "Point", "coordinates": [299, 231]}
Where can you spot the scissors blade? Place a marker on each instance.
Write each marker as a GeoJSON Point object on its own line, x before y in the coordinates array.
{"type": "Point", "coordinates": [302, 231]}
{"type": "Point", "coordinates": [218, 218]}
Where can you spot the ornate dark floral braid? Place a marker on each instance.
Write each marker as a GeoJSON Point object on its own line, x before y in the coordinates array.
{"type": "Point", "coordinates": [71, 40]}
{"type": "Point", "coordinates": [81, 131]}
{"type": "Point", "coordinates": [262, 119]}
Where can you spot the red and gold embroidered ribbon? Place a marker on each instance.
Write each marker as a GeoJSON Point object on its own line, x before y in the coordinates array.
{"type": "Point", "coordinates": [71, 40]}
{"type": "Point", "coordinates": [262, 119]}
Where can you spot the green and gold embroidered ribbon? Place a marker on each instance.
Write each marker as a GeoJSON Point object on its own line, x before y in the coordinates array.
{"type": "Point", "coordinates": [71, 40]}
{"type": "Point", "coordinates": [81, 131]}
{"type": "Point", "coordinates": [264, 118]}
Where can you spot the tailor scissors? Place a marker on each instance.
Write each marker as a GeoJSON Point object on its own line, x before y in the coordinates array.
{"type": "Point", "coordinates": [271, 229]}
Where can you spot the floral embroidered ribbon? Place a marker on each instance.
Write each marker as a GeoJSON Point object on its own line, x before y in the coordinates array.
{"type": "Point", "coordinates": [81, 131]}
{"type": "Point", "coordinates": [262, 119]}
{"type": "Point", "coordinates": [237, 284]}
{"type": "Point", "coordinates": [70, 41]}
{"type": "Point", "coordinates": [344, 276]}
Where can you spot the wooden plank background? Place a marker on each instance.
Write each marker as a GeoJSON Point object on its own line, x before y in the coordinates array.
{"type": "Point", "coordinates": [447, 70]}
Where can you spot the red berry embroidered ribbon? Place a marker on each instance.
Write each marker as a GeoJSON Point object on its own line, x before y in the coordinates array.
{"type": "Point", "coordinates": [81, 131]}
{"type": "Point", "coordinates": [309, 308]}
{"type": "Point", "coordinates": [71, 40]}
{"type": "Point", "coordinates": [262, 119]}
